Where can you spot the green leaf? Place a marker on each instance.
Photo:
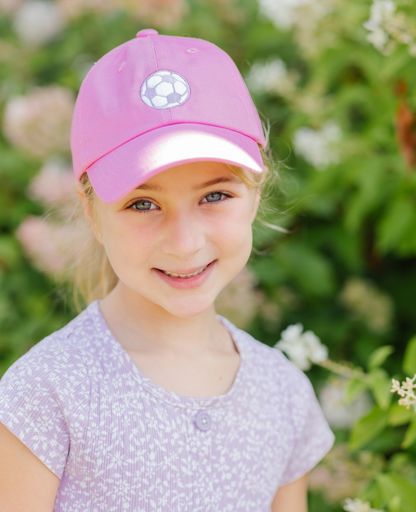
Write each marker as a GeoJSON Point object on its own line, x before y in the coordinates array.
{"type": "Point", "coordinates": [410, 436]}
{"type": "Point", "coordinates": [378, 357]}
{"type": "Point", "coordinates": [371, 493]}
{"type": "Point", "coordinates": [354, 388]}
{"type": "Point", "coordinates": [398, 462]}
{"type": "Point", "coordinates": [395, 223]}
{"type": "Point", "coordinates": [392, 485]}
{"type": "Point", "coordinates": [394, 504]}
{"type": "Point", "coordinates": [367, 428]}
{"type": "Point", "coordinates": [311, 269]}
{"type": "Point", "coordinates": [399, 415]}
{"type": "Point", "coordinates": [9, 251]}
{"type": "Point", "coordinates": [409, 361]}
{"type": "Point", "coordinates": [380, 384]}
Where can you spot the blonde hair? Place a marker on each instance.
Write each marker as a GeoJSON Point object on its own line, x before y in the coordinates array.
{"type": "Point", "coordinates": [92, 274]}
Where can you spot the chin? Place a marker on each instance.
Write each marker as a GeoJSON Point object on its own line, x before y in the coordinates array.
{"type": "Point", "coordinates": [188, 308]}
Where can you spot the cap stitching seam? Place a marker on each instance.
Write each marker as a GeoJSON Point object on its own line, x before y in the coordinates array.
{"type": "Point", "coordinates": [164, 126]}
{"type": "Point", "coordinates": [157, 67]}
{"type": "Point", "coordinates": [104, 58]}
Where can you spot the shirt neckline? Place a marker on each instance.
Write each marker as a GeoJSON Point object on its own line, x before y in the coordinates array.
{"type": "Point", "coordinates": [163, 394]}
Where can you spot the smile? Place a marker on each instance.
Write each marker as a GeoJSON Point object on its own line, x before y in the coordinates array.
{"type": "Point", "coordinates": [184, 276]}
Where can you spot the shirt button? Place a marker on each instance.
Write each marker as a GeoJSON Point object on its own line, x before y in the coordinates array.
{"type": "Point", "coordinates": [147, 32]}
{"type": "Point", "coordinates": [203, 420]}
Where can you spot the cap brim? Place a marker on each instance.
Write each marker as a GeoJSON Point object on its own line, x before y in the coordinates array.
{"type": "Point", "coordinates": [125, 168]}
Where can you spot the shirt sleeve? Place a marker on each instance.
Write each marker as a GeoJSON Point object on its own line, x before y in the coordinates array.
{"type": "Point", "coordinates": [32, 404]}
{"type": "Point", "coordinates": [313, 436]}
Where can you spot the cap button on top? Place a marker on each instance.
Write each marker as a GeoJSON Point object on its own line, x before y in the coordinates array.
{"type": "Point", "coordinates": [147, 32]}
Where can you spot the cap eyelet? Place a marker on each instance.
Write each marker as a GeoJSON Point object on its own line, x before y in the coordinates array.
{"type": "Point", "coordinates": [192, 50]}
{"type": "Point", "coordinates": [122, 66]}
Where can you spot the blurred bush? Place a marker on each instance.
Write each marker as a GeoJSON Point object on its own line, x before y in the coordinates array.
{"type": "Point", "coordinates": [336, 80]}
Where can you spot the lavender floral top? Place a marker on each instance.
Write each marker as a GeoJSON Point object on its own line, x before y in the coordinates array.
{"type": "Point", "coordinates": [120, 443]}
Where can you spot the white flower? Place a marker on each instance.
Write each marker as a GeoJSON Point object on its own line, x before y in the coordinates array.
{"type": "Point", "coordinates": [38, 21]}
{"type": "Point", "coordinates": [388, 27]}
{"type": "Point", "coordinates": [272, 76]}
{"type": "Point", "coordinates": [302, 348]}
{"type": "Point", "coordinates": [378, 38]}
{"type": "Point", "coordinates": [358, 506]}
{"type": "Point", "coordinates": [406, 391]}
{"type": "Point", "coordinates": [318, 146]}
{"type": "Point", "coordinates": [265, 77]}
{"type": "Point", "coordinates": [281, 12]}
{"type": "Point", "coordinates": [338, 412]}
{"type": "Point", "coordinates": [379, 12]}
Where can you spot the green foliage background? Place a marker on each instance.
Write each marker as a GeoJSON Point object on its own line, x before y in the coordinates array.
{"type": "Point", "coordinates": [355, 219]}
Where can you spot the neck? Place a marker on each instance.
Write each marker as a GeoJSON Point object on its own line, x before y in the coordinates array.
{"type": "Point", "coordinates": [139, 324]}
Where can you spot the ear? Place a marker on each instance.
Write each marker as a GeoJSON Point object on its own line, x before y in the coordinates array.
{"type": "Point", "coordinates": [255, 205]}
{"type": "Point", "coordinates": [87, 206]}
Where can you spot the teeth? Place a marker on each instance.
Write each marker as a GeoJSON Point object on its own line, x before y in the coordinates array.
{"type": "Point", "coordinates": [185, 276]}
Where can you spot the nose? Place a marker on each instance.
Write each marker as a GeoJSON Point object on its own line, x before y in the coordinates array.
{"type": "Point", "coordinates": [183, 235]}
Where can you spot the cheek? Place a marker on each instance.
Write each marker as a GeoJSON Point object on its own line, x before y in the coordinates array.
{"type": "Point", "coordinates": [127, 244]}
{"type": "Point", "coordinates": [233, 233]}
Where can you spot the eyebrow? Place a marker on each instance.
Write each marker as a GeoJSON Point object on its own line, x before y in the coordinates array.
{"type": "Point", "coordinates": [199, 186]}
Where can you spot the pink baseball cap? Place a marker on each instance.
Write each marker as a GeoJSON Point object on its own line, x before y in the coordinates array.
{"type": "Point", "coordinates": [158, 101]}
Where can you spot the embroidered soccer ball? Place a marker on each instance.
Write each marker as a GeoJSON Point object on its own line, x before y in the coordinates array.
{"type": "Point", "coordinates": [165, 89]}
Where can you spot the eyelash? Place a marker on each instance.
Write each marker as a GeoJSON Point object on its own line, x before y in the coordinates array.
{"type": "Point", "coordinates": [225, 195]}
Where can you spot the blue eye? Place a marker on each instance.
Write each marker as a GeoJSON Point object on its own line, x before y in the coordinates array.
{"type": "Point", "coordinates": [143, 205]}
{"type": "Point", "coordinates": [214, 196]}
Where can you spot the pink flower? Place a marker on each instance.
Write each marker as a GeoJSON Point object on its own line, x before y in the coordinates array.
{"type": "Point", "coordinates": [40, 122]}
{"type": "Point", "coordinates": [342, 474]}
{"type": "Point", "coordinates": [75, 8]}
{"type": "Point", "coordinates": [55, 183]}
{"type": "Point", "coordinates": [157, 13]}
{"type": "Point", "coordinates": [44, 243]}
{"type": "Point", "coordinates": [9, 6]}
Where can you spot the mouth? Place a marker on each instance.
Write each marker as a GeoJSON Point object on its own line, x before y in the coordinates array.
{"type": "Point", "coordinates": [186, 279]}
{"type": "Point", "coordinates": [184, 276]}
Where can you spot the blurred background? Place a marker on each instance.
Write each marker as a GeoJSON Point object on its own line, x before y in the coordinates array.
{"type": "Point", "coordinates": [336, 79]}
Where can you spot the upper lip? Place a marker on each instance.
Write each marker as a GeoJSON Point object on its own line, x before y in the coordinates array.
{"type": "Point", "coordinates": [188, 271]}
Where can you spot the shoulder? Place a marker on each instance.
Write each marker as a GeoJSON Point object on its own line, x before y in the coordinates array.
{"type": "Point", "coordinates": [55, 362]}
{"type": "Point", "coordinates": [45, 394]}
{"type": "Point", "coordinates": [271, 366]}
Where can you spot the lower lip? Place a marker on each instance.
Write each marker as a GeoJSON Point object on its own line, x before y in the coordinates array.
{"type": "Point", "coordinates": [191, 282]}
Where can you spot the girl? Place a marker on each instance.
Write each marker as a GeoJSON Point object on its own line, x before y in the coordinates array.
{"type": "Point", "coordinates": [149, 401]}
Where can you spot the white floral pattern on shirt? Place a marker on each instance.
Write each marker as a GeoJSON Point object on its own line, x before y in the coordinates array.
{"type": "Point", "coordinates": [121, 443]}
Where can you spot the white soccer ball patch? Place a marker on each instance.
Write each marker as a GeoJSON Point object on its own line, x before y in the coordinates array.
{"type": "Point", "coordinates": [165, 89]}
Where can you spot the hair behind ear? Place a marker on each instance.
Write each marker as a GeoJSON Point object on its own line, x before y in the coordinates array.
{"type": "Point", "coordinates": [91, 273]}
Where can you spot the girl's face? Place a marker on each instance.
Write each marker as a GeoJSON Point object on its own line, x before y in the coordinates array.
{"type": "Point", "coordinates": [176, 241]}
